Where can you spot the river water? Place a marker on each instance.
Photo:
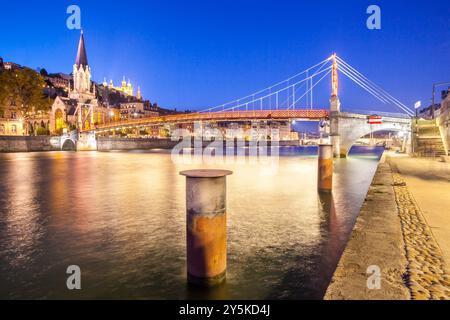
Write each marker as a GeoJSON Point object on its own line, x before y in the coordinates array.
{"type": "Point", "coordinates": [120, 216]}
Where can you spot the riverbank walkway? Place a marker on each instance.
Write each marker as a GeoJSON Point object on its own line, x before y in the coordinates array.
{"type": "Point", "coordinates": [428, 181]}
{"type": "Point", "coordinates": [404, 231]}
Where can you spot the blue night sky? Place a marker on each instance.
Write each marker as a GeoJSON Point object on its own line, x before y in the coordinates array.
{"type": "Point", "coordinates": [197, 54]}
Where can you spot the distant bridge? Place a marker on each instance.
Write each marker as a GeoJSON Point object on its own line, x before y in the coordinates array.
{"type": "Point", "coordinates": [349, 127]}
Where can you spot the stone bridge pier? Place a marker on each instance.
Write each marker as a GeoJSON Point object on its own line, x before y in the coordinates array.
{"type": "Point", "coordinates": [68, 141]}
{"type": "Point", "coordinates": [87, 141]}
{"type": "Point", "coordinates": [76, 141]}
{"type": "Point", "coordinates": [346, 128]}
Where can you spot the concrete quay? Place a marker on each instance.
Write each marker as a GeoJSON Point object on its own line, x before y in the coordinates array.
{"type": "Point", "coordinates": [28, 144]}
{"type": "Point", "coordinates": [402, 229]}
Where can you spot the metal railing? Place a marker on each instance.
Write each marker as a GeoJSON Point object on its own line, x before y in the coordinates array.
{"type": "Point", "coordinates": [221, 115]}
{"type": "Point", "coordinates": [377, 113]}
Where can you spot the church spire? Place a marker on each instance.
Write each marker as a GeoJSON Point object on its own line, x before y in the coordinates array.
{"type": "Point", "coordinates": [81, 54]}
{"type": "Point", "coordinates": [82, 71]}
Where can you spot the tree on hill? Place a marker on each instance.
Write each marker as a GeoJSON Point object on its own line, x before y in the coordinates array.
{"type": "Point", "coordinates": [43, 72]}
{"type": "Point", "coordinates": [24, 88]}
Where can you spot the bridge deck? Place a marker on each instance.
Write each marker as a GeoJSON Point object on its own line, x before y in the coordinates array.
{"type": "Point", "coordinates": [218, 116]}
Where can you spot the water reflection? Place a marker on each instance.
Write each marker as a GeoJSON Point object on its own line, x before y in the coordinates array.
{"type": "Point", "coordinates": [120, 216]}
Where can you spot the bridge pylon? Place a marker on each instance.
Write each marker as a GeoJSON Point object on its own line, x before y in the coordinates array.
{"type": "Point", "coordinates": [334, 126]}
{"type": "Point", "coordinates": [335, 109]}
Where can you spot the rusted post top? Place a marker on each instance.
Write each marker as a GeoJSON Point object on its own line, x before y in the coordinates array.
{"type": "Point", "coordinates": [206, 173]}
{"type": "Point", "coordinates": [325, 151]}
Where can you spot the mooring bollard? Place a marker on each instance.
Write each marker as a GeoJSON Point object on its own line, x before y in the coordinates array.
{"type": "Point", "coordinates": [325, 168]}
{"type": "Point", "coordinates": [206, 226]}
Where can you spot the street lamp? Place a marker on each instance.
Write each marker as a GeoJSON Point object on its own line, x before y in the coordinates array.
{"type": "Point", "coordinates": [417, 105]}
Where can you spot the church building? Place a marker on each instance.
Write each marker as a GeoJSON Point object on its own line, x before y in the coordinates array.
{"type": "Point", "coordinates": [86, 105]}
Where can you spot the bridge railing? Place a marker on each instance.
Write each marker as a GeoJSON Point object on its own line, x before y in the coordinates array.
{"type": "Point", "coordinates": [221, 115]}
{"type": "Point", "coordinates": [378, 113]}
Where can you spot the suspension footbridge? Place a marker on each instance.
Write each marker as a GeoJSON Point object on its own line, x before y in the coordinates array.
{"type": "Point", "coordinates": [285, 101]}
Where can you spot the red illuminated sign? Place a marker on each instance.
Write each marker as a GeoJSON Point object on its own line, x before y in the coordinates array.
{"type": "Point", "coordinates": [375, 120]}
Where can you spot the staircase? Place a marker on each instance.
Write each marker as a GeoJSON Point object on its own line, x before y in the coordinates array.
{"type": "Point", "coordinates": [428, 141]}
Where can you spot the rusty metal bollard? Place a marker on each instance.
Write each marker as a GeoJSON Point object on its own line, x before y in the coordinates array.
{"type": "Point", "coordinates": [325, 168]}
{"type": "Point", "coordinates": [206, 226]}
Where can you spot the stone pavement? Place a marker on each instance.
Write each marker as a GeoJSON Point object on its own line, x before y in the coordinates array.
{"type": "Point", "coordinates": [428, 181]}
{"type": "Point", "coordinates": [422, 189]}
{"type": "Point", "coordinates": [404, 228]}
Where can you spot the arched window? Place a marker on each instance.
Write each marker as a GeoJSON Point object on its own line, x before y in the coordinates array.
{"type": "Point", "coordinates": [59, 120]}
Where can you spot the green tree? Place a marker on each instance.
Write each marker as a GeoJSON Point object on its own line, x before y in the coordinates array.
{"type": "Point", "coordinates": [24, 88]}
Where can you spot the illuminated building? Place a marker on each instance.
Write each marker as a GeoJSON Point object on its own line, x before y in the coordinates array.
{"type": "Point", "coordinates": [126, 88]}
{"type": "Point", "coordinates": [10, 123]}
{"type": "Point", "coordinates": [79, 103]}
{"type": "Point", "coordinates": [81, 109]}
{"type": "Point", "coordinates": [134, 110]}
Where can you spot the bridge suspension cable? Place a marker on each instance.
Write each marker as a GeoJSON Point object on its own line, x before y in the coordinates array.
{"type": "Point", "coordinates": [281, 91]}
{"type": "Point", "coordinates": [370, 86]}
{"type": "Point", "coordinates": [287, 93]}
{"type": "Point", "coordinates": [312, 86]}
{"type": "Point", "coordinates": [355, 79]}
{"type": "Point", "coordinates": [285, 89]}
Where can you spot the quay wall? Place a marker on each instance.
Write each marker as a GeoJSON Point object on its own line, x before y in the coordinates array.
{"type": "Point", "coordinates": [28, 144]}
{"type": "Point", "coordinates": [376, 242]}
{"type": "Point", "coordinates": [107, 143]}
{"type": "Point", "coordinates": [49, 143]}
{"type": "Point", "coordinates": [111, 143]}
